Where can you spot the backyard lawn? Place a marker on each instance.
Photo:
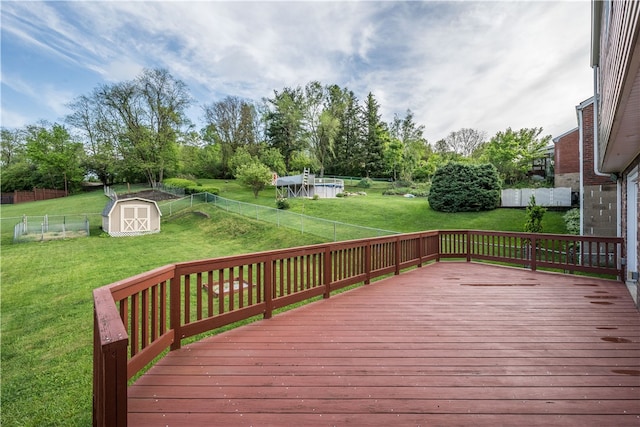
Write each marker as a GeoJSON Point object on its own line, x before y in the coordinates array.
{"type": "Point", "coordinates": [46, 287]}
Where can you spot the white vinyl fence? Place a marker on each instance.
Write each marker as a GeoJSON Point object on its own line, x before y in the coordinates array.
{"type": "Point", "coordinates": [550, 197]}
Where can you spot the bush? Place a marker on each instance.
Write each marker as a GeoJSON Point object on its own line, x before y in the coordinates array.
{"type": "Point", "coordinates": [365, 183]}
{"type": "Point", "coordinates": [211, 190]}
{"type": "Point", "coordinates": [340, 195]}
{"type": "Point", "coordinates": [534, 215]}
{"type": "Point", "coordinates": [458, 187]}
{"type": "Point", "coordinates": [418, 190]}
{"type": "Point", "coordinates": [572, 221]}
{"type": "Point", "coordinates": [282, 204]}
{"type": "Point", "coordinates": [179, 183]}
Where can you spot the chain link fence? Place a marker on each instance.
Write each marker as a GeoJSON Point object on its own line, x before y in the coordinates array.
{"type": "Point", "coordinates": [50, 227]}
{"type": "Point", "coordinates": [326, 229]}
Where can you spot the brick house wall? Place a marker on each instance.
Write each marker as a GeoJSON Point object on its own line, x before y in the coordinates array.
{"type": "Point", "coordinates": [567, 160]}
{"type": "Point", "coordinates": [599, 198]}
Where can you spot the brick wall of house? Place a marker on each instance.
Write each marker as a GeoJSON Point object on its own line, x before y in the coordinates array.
{"type": "Point", "coordinates": [567, 160]}
{"type": "Point", "coordinates": [599, 193]}
{"type": "Point", "coordinates": [567, 153]}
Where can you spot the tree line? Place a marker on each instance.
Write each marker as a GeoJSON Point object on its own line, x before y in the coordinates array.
{"type": "Point", "coordinates": [139, 131]}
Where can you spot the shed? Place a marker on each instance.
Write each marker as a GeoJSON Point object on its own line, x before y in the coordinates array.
{"type": "Point", "coordinates": [131, 217]}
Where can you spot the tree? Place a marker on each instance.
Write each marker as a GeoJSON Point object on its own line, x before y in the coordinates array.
{"type": "Point", "coordinates": [413, 145]}
{"type": "Point", "coordinates": [283, 121]}
{"type": "Point", "coordinates": [56, 156]}
{"type": "Point", "coordinates": [374, 138]}
{"type": "Point", "coordinates": [273, 159]}
{"type": "Point", "coordinates": [513, 152]}
{"type": "Point", "coordinates": [143, 120]}
{"type": "Point", "coordinates": [534, 215]}
{"type": "Point", "coordinates": [12, 147]}
{"type": "Point", "coordinates": [347, 147]}
{"type": "Point", "coordinates": [232, 123]}
{"type": "Point", "coordinates": [465, 141]}
{"type": "Point", "coordinates": [327, 132]}
{"type": "Point", "coordinates": [254, 175]}
{"type": "Point", "coordinates": [393, 155]}
{"type": "Point", "coordinates": [90, 119]}
{"type": "Point", "coordinates": [301, 161]}
{"type": "Point", "coordinates": [321, 123]}
{"type": "Point", "coordinates": [240, 158]}
{"type": "Point", "coordinates": [459, 187]}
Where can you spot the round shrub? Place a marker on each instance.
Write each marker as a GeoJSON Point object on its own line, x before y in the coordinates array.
{"type": "Point", "coordinates": [459, 187]}
{"type": "Point", "coordinates": [572, 221]}
{"type": "Point", "coordinates": [179, 182]}
{"type": "Point", "coordinates": [282, 204]}
{"type": "Point", "coordinates": [206, 189]}
{"type": "Point", "coordinates": [365, 183]}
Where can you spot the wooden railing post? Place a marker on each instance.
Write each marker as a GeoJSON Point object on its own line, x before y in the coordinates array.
{"type": "Point", "coordinates": [367, 263]}
{"type": "Point", "coordinates": [534, 252]}
{"type": "Point", "coordinates": [327, 272]}
{"type": "Point", "coordinates": [468, 245]}
{"type": "Point", "coordinates": [397, 261]}
{"type": "Point", "coordinates": [268, 288]}
{"type": "Point", "coordinates": [175, 312]}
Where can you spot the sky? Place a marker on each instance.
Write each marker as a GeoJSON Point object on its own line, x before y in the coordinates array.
{"type": "Point", "coordinates": [485, 65]}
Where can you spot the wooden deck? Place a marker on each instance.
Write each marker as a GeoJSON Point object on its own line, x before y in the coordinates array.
{"type": "Point", "coordinates": [446, 344]}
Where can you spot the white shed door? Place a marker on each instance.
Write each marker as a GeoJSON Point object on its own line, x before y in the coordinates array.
{"type": "Point", "coordinates": [135, 218]}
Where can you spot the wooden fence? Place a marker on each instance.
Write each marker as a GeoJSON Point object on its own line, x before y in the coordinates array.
{"type": "Point", "coordinates": [137, 319]}
{"type": "Point", "coordinates": [32, 196]}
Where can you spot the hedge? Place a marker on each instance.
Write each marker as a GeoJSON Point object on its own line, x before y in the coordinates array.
{"type": "Point", "coordinates": [459, 187]}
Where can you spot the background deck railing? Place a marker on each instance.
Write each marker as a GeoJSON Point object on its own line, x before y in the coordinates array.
{"type": "Point", "coordinates": [139, 318]}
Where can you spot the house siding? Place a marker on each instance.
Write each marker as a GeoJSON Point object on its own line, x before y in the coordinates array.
{"type": "Point", "coordinates": [618, 35]}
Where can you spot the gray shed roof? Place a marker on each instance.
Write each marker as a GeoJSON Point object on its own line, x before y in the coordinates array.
{"type": "Point", "coordinates": [111, 204]}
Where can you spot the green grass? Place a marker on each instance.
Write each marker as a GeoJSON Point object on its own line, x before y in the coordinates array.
{"type": "Point", "coordinates": [46, 301]}
{"type": "Point", "coordinates": [394, 213]}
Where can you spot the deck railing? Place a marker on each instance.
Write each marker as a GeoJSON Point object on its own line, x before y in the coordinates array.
{"type": "Point", "coordinates": [139, 318]}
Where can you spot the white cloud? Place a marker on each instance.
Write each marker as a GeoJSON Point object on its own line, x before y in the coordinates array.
{"type": "Point", "coordinates": [486, 65]}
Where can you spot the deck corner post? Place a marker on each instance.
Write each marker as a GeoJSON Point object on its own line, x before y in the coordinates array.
{"type": "Point", "coordinates": [110, 384]}
{"type": "Point", "coordinates": [174, 311]}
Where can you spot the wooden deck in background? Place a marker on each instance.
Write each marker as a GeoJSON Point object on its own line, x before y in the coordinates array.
{"type": "Point", "coordinates": [446, 344]}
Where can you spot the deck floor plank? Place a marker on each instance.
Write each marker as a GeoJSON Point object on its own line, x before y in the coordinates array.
{"type": "Point", "coordinates": [446, 344]}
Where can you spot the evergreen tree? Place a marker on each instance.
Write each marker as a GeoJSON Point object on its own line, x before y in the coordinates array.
{"type": "Point", "coordinates": [374, 138]}
{"type": "Point", "coordinates": [283, 121]}
{"type": "Point", "coordinates": [347, 147]}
